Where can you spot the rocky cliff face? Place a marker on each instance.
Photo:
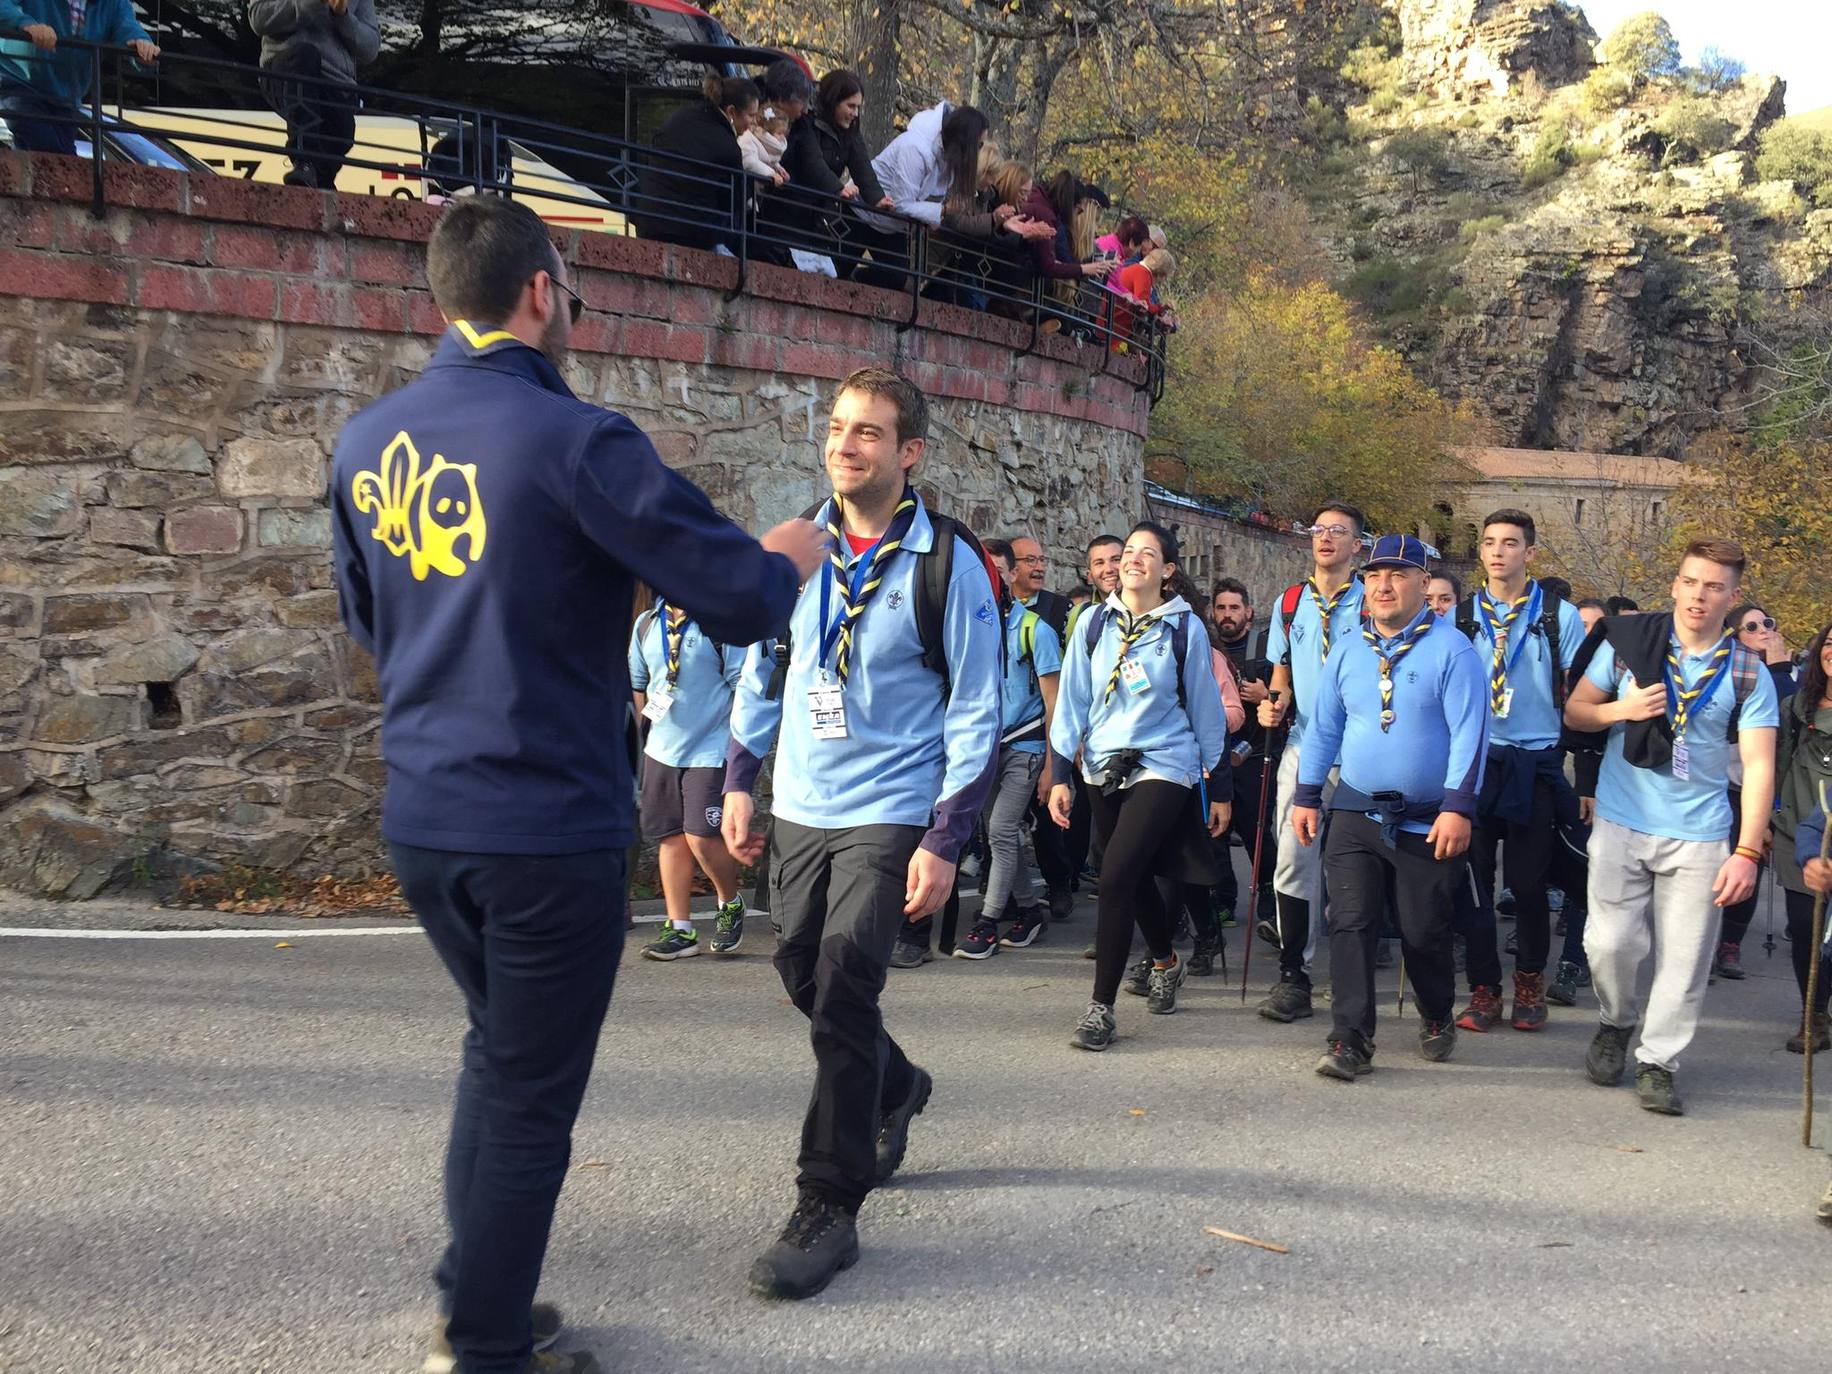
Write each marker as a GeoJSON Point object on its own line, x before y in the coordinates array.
{"type": "Point", "coordinates": [1577, 269]}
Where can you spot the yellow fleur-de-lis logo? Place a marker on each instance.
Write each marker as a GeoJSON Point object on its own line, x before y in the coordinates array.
{"type": "Point", "coordinates": [423, 515]}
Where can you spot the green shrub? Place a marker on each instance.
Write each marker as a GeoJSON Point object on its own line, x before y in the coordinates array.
{"type": "Point", "coordinates": [1796, 153]}
{"type": "Point", "coordinates": [1389, 288]}
{"type": "Point", "coordinates": [1472, 229]}
{"type": "Point", "coordinates": [1457, 301]}
{"type": "Point", "coordinates": [1642, 45]}
{"type": "Point", "coordinates": [1693, 130]}
{"type": "Point", "coordinates": [1385, 100]}
{"type": "Point", "coordinates": [1607, 89]}
{"type": "Point", "coordinates": [1424, 153]}
{"type": "Point", "coordinates": [1550, 156]}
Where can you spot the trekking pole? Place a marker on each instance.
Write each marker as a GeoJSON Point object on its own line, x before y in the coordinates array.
{"type": "Point", "coordinates": [1768, 940]}
{"type": "Point", "coordinates": [1817, 957]}
{"type": "Point", "coordinates": [1401, 1010]}
{"type": "Point", "coordinates": [1259, 849]}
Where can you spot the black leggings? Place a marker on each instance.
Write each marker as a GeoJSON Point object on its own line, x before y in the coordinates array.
{"type": "Point", "coordinates": [1132, 826]}
{"type": "Point", "coordinates": [1800, 947]}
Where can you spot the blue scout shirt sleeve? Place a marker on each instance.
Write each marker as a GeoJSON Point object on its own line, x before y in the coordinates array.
{"type": "Point", "coordinates": [665, 530]}
{"type": "Point", "coordinates": [1046, 649]}
{"type": "Point", "coordinates": [639, 662]}
{"type": "Point", "coordinates": [1208, 719]}
{"type": "Point", "coordinates": [1571, 634]}
{"type": "Point", "coordinates": [1809, 835]}
{"type": "Point", "coordinates": [1605, 670]}
{"type": "Point", "coordinates": [1278, 644]}
{"type": "Point", "coordinates": [1323, 737]}
{"type": "Point", "coordinates": [755, 718]}
{"type": "Point", "coordinates": [971, 721]}
{"type": "Point", "coordinates": [1466, 712]}
{"type": "Point", "coordinates": [1074, 693]}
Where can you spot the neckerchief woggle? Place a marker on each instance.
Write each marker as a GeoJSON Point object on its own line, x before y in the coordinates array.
{"type": "Point", "coordinates": [1680, 712]}
{"type": "Point", "coordinates": [1388, 661]}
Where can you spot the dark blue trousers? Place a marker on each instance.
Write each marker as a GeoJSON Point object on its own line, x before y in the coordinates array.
{"type": "Point", "coordinates": [533, 943]}
{"type": "Point", "coordinates": [39, 123]}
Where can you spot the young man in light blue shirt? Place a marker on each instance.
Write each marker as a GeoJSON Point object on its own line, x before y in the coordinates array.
{"type": "Point", "coordinates": [1670, 689]}
{"type": "Point", "coordinates": [886, 749]}
{"type": "Point", "coordinates": [683, 683]}
{"type": "Point", "coordinates": [1327, 613]}
{"type": "Point", "coordinates": [1400, 704]}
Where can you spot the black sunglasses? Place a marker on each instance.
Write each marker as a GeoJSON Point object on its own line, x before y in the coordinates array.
{"type": "Point", "coordinates": [1767, 624]}
{"type": "Point", "coordinates": [576, 306]}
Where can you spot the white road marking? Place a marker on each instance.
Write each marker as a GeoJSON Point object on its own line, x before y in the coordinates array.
{"type": "Point", "coordinates": [50, 933]}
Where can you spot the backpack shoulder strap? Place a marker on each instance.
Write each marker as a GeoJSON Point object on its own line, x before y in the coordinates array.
{"type": "Point", "coordinates": [1550, 606]}
{"type": "Point", "coordinates": [1466, 616]}
{"type": "Point", "coordinates": [935, 575]}
{"type": "Point", "coordinates": [1288, 612]}
{"type": "Point", "coordinates": [1180, 652]}
{"type": "Point", "coordinates": [1096, 624]}
{"type": "Point", "coordinates": [643, 622]}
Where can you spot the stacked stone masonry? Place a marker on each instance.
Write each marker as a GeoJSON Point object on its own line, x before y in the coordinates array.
{"type": "Point", "coordinates": [174, 683]}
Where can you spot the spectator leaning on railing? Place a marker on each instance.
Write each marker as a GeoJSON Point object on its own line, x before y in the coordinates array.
{"type": "Point", "coordinates": [827, 159]}
{"type": "Point", "coordinates": [42, 88]}
{"type": "Point", "coordinates": [310, 50]}
{"type": "Point", "coordinates": [697, 195]}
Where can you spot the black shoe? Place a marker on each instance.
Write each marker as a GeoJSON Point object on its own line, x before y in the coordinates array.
{"type": "Point", "coordinates": [894, 1126]}
{"type": "Point", "coordinates": [1562, 991]}
{"type": "Point", "coordinates": [1383, 954]}
{"type": "Point", "coordinates": [1096, 1030]}
{"type": "Point", "coordinates": [909, 954]}
{"type": "Point", "coordinates": [1654, 1086]}
{"type": "Point", "coordinates": [1162, 998]}
{"type": "Point", "coordinates": [1342, 1060]}
{"type": "Point", "coordinates": [1138, 981]}
{"type": "Point", "coordinates": [820, 1240]}
{"type": "Point", "coordinates": [1061, 903]}
{"type": "Point", "coordinates": [1268, 931]}
{"type": "Point", "coordinates": [1512, 947]}
{"type": "Point", "coordinates": [1288, 1002]}
{"type": "Point", "coordinates": [982, 942]}
{"type": "Point", "coordinates": [1437, 1039]}
{"type": "Point", "coordinates": [1730, 961]}
{"type": "Point", "coordinates": [1608, 1054]}
{"type": "Point", "coordinates": [1201, 962]}
{"type": "Point", "coordinates": [304, 175]}
{"type": "Point", "coordinates": [1027, 929]}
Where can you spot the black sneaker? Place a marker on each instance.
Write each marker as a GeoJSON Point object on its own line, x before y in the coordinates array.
{"type": "Point", "coordinates": [1437, 1039]}
{"type": "Point", "coordinates": [1027, 929]}
{"type": "Point", "coordinates": [1730, 962]}
{"type": "Point", "coordinates": [1267, 930]}
{"type": "Point", "coordinates": [1287, 1002]}
{"type": "Point", "coordinates": [674, 943]}
{"type": "Point", "coordinates": [894, 1126]}
{"type": "Point", "coordinates": [1161, 1000]}
{"type": "Point", "coordinates": [1607, 1055]}
{"type": "Point", "coordinates": [1201, 962]}
{"type": "Point", "coordinates": [909, 954]}
{"type": "Point", "coordinates": [982, 942]}
{"type": "Point", "coordinates": [1096, 1030]}
{"type": "Point", "coordinates": [1654, 1086]}
{"type": "Point", "coordinates": [1562, 991]}
{"type": "Point", "coordinates": [1061, 903]}
{"type": "Point", "coordinates": [1138, 981]}
{"type": "Point", "coordinates": [1226, 918]}
{"type": "Point", "coordinates": [728, 934]}
{"type": "Point", "coordinates": [820, 1240]}
{"type": "Point", "coordinates": [1342, 1060]}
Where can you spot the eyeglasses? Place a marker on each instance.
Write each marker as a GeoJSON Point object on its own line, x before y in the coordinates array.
{"type": "Point", "coordinates": [1036, 558]}
{"type": "Point", "coordinates": [1333, 531]}
{"type": "Point", "coordinates": [576, 306]}
{"type": "Point", "coordinates": [1766, 623]}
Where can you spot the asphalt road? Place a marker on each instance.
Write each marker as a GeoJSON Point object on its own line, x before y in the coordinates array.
{"type": "Point", "coordinates": [223, 1155]}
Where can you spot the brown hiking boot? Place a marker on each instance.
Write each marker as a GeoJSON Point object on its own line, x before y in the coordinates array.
{"type": "Point", "coordinates": [1529, 1001]}
{"type": "Point", "coordinates": [1822, 1036]}
{"type": "Point", "coordinates": [1483, 1011]}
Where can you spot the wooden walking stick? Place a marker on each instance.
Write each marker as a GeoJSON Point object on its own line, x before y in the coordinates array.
{"type": "Point", "coordinates": [1818, 949]}
{"type": "Point", "coordinates": [1259, 848]}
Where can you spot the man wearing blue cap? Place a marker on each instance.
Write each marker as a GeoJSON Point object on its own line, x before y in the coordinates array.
{"type": "Point", "coordinates": [1402, 709]}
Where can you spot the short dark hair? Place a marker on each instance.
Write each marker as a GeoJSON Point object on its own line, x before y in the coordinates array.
{"type": "Point", "coordinates": [1508, 515]}
{"type": "Point", "coordinates": [1618, 604]}
{"type": "Point", "coordinates": [1456, 583]}
{"type": "Point", "coordinates": [998, 548]}
{"type": "Point", "coordinates": [1082, 589]}
{"type": "Point", "coordinates": [1724, 552]}
{"type": "Point", "coordinates": [1558, 586]}
{"type": "Point", "coordinates": [482, 253]}
{"type": "Point", "coordinates": [1590, 603]}
{"type": "Point", "coordinates": [1132, 230]}
{"type": "Point", "coordinates": [1342, 508]}
{"type": "Point", "coordinates": [1235, 585]}
{"type": "Point", "coordinates": [1100, 539]}
{"type": "Point", "coordinates": [1167, 542]}
{"type": "Point", "coordinates": [912, 408]}
{"type": "Point", "coordinates": [785, 79]}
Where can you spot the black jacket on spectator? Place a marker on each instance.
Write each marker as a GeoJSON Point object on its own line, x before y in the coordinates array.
{"type": "Point", "coordinates": [818, 153]}
{"type": "Point", "coordinates": [703, 208]}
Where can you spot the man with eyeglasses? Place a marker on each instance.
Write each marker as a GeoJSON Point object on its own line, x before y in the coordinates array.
{"type": "Point", "coordinates": [489, 528]}
{"type": "Point", "coordinates": [1308, 622]}
{"type": "Point", "coordinates": [1049, 841]}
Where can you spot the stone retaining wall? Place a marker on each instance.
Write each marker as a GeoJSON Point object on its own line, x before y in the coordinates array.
{"type": "Point", "coordinates": [173, 681]}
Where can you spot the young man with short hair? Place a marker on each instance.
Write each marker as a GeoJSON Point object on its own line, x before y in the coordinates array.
{"type": "Point", "coordinates": [1244, 650]}
{"type": "Point", "coordinates": [1670, 689]}
{"type": "Point", "coordinates": [1400, 703]}
{"type": "Point", "coordinates": [1050, 843]}
{"type": "Point", "coordinates": [1308, 621]}
{"type": "Point", "coordinates": [886, 747]}
{"type": "Point", "coordinates": [1528, 641]}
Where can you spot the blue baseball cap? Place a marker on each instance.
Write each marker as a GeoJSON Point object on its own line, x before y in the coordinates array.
{"type": "Point", "coordinates": [1398, 551]}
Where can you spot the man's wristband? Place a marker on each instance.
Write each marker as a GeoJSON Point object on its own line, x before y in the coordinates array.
{"type": "Point", "coordinates": [1745, 852]}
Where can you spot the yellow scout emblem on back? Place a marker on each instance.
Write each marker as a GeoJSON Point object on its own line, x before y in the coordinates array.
{"type": "Point", "coordinates": [423, 514]}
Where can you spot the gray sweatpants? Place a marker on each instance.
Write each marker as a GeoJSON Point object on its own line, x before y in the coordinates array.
{"type": "Point", "coordinates": [1299, 870]}
{"type": "Point", "coordinates": [1652, 894]}
{"type": "Point", "coordinates": [1011, 873]}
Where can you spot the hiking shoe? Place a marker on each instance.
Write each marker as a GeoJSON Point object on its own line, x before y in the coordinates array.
{"type": "Point", "coordinates": [894, 1126]}
{"type": "Point", "coordinates": [1437, 1039]}
{"type": "Point", "coordinates": [1483, 1011]}
{"type": "Point", "coordinates": [1529, 1001]}
{"type": "Point", "coordinates": [1027, 929]}
{"type": "Point", "coordinates": [1287, 1002]}
{"type": "Point", "coordinates": [1061, 903]}
{"type": "Point", "coordinates": [909, 954]}
{"type": "Point", "coordinates": [1822, 1036]}
{"type": "Point", "coordinates": [728, 934]}
{"type": "Point", "coordinates": [1512, 946]}
{"type": "Point", "coordinates": [1562, 991]}
{"type": "Point", "coordinates": [820, 1240]}
{"type": "Point", "coordinates": [1201, 962]}
{"type": "Point", "coordinates": [441, 1359]}
{"type": "Point", "coordinates": [1090, 952]}
{"type": "Point", "coordinates": [1730, 962]}
{"type": "Point", "coordinates": [674, 943]}
{"type": "Point", "coordinates": [1825, 1205]}
{"type": "Point", "coordinates": [572, 1362]}
{"type": "Point", "coordinates": [1138, 979]}
{"type": "Point", "coordinates": [1096, 1030]}
{"type": "Point", "coordinates": [1225, 918]}
{"type": "Point", "coordinates": [1654, 1086]}
{"type": "Point", "coordinates": [1162, 999]}
{"type": "Point", "coordinates": [1268, 931]}
{"type": "Point", "coordinates": [1342, 1060]}
{"type": "Point", "coordinates": [982, 942]}
{"type": "Point", "coordinates": [1607, 1055]}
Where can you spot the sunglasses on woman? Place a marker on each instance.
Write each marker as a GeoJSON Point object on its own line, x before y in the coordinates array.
{"type": "Point", "coordinates": [1751, 626]}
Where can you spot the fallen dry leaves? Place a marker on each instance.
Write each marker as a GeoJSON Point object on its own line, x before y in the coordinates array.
{"type": "Point", "coordinates": [258, 892]}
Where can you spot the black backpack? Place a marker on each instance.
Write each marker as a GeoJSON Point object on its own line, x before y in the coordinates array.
{"type": "Point", "coordinates": [1547, 625]}
{"type": "Point", "coordinates": [1096, 623]}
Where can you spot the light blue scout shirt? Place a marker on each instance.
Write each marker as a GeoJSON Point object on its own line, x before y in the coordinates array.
{"type": "Point", "coordinates": [909, 756]}
{"type": "Point", "coordinates": [1306, 646]}
{"type": "Point", "coordinates": [1652, 800]}
{"type": "Point", "coordinates": [1438, 745]}
{"type": "Point", "coordinates": [695, 732]}
{"type": "Point", "coordinates": [1178, 746]}
{"type": "Point", "coordinates": [1022, 697]}
{"type": "Point", "coordinates": [1533, 720]}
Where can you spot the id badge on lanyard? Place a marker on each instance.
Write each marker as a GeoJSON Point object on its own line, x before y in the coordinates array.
{"type": "Point", "coordinates": [1682, 760]}
{"type": "Point", "coordinates": [657, 705]}
{"type": "Point", "coordinates": [1132, 674]}
{"type": "Point", "coordinates": [827, 708]}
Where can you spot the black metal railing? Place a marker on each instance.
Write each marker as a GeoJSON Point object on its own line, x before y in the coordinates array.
{"type": "Point", "coordinates": [574, 177]}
